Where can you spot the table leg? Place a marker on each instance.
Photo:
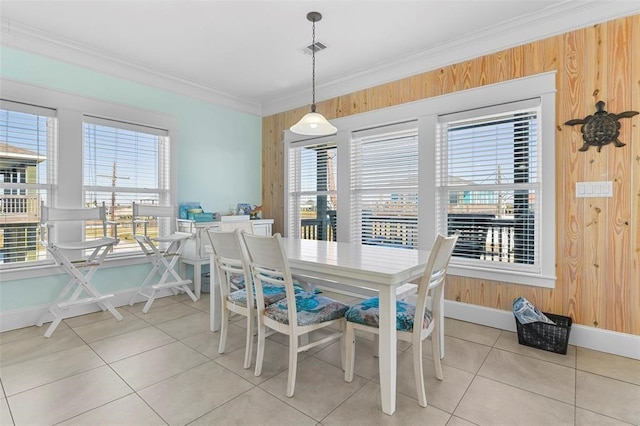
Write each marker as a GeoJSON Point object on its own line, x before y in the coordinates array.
{"type": "Point", "coordinates": [442, 328]}
{"type": "Point", "coordinates": [197, 278]}
{"type": "Point", "coordinates": [214, 298]}
{"type": "Point", "coordinates": [387, 349]}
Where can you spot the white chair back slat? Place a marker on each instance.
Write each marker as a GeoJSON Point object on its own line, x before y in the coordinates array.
{"type": "Point", "coordinates": [56, 214]}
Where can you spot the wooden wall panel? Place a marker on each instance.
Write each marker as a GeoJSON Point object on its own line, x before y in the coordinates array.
{"type": "Point", "coordinates": [597, 239]}
{"type": "Point", "coordinates": [573, 214]}
{"type": "Point", "coordinates": [595, 211]}
{"type": "Point", "coordinates": [634, 244]}
{"type": "Point", "coordinates": [619, 96]}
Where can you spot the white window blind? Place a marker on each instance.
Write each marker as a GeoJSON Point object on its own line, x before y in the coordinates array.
{"type": "Point", "coordinates": [312, 190]}
{"type": "Point", "coordinates": [384, 185]}
{"type": "Point", "coordinates": [488, 186]}
{"type": "Point", "coordinates": [27, 170]}
{"type": "Point", "coordinates": [122, 163]}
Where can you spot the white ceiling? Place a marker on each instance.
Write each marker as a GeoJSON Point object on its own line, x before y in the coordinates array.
{"type": "Point", "coordinates": [248, 54]}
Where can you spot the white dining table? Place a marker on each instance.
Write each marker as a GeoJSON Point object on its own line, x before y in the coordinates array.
{"type": "Point", "coordinates": [361, 266]}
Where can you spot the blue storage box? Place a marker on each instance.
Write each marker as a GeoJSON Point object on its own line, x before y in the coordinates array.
{"type": "Point", "coordinates": [201, 217]}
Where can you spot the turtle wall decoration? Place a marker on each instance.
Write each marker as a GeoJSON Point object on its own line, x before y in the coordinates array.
{"type": "Point", "coordinates": [601, 128]}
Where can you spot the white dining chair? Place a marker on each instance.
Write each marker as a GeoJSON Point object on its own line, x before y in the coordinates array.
{"type": "Point", "coordinates": [230, 261]}
{"type": "Point", "coordinates": [414, 323]}
{"type": "Point", "coordinates": [79, 259]}
{"type": "Point", "coordinates": [232, 223]}
{"type": "Point", "coordinates": [162, 250]}
{"type": "Point", "coordinates": [296, 315]}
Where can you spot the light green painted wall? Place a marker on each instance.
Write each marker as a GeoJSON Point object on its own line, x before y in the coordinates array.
{"type": "Point", "coordinates": [219, 154]}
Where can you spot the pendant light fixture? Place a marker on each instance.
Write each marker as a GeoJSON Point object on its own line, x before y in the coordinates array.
{"type": "Point", "coordinates": [313, 123]}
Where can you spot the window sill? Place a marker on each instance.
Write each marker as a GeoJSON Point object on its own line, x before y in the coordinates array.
{"type": "Point", "coordinates": [28, 272]}
{"type": "Point", "coordinates": [503, 276]}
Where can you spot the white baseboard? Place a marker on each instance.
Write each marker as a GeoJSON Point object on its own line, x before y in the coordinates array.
{"type": "Point", "coordinates": [28, 317]}
{"type": "Point", "coordinates": [627, 345]}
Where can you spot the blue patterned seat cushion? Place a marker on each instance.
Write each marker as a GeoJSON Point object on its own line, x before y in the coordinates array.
{"type": "Point", "coordinates": [312, 308]}
{"type": "Point", "coordinates": [237, 281]}
{"type": "Point", "coordinates": [272, 293]}
{"type": "Point", "coordinates": [367, 313]}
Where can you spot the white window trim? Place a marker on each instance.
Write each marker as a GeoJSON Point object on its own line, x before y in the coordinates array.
{"type": "Point", "coordinates": [298, 143]}
{"type": "Point", "coordinates": [68, 190]}
{"type": "Point", "coordinates": [426, 112]}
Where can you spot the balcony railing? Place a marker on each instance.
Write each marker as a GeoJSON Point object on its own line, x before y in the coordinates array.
{"type": "Point", "coordinates": [482, 236]}
{"type": "Point", "coordinates": [487, 237]}
{"type": "Point", "coordinates": [19, 209]}
{"type": "Point", "coordinates": [316, 229]}
{"type": "Point", "coordinates": [393, 231]}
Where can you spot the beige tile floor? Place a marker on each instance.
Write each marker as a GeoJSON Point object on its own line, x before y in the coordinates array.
{"type": "Point", "coordinates": [164, 368]}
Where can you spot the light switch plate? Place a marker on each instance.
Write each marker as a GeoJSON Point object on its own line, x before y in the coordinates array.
{"type": "Point", "coordinates": [594, 189]}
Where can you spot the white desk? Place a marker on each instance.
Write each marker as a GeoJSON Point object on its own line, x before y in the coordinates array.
{"type": "Point", "coordinates": [195, 252]}
{"type": "Point", "coordinates": [380, 268]}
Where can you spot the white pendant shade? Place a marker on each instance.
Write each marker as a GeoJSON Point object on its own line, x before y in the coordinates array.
{"type": "Point", "coordinates": [313, 124]}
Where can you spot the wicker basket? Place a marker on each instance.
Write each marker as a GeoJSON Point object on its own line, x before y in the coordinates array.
{"type": "Point", "coordinates": [542, 335]}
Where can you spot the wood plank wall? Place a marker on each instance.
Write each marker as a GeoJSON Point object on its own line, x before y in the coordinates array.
{"type": "Point", "coordinates": [598, 239]}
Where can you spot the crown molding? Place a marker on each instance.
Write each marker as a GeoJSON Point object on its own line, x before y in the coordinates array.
{"type": "Point", "coordinates": [556, 20]}
{"type": "Point", "coordinates": [32, 40]}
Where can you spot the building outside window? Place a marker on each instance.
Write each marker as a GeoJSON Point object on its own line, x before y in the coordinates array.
{"type": "Point", "coordinates": [27, 160]}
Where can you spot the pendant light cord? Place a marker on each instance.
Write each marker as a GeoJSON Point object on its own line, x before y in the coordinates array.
{"type": "Point", "coordinates": [313, 67]}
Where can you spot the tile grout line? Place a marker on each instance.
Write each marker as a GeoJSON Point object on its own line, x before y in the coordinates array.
{"type": "Point", "coordinates": [474, 376]}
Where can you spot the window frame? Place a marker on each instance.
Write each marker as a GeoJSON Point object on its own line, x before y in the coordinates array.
{"type": "Point", "coordinates": [364, 185]}
{"type": "Point", "coordinates": [290, 230]}
{"type": "Point", "coordinates": [70, 111]}
{"type": "Point", "coordinates": [443, 199]}
{"type": "Point", "coordinates": [161, 190]}
{"type": "Point", "coordinates": [50, 172]}
{"type": "Point", "coordinates": [426, 111]}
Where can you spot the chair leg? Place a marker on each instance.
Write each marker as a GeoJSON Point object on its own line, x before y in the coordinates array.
{"type": "Point", "coordinates": [436, 348]}
{"type": "Point", "coordinates": [260, 355]}
{"type": "Point", "coordinates": [376, 344]}
{"type": "Point", "coordinates": [112, 309]}
{"type": "Point", "coordinates": [249, 344]}
{"type": "Point", "coordinates": [147, 305]}
{"type": "Point", "coordinates": [54, 325]}
{"type": "Point", "coordinates": [224, 325]}
{"type": "Point", "coordinates": [350, 343]}
{"type": "Point", "coordinates": [293, 364]}
{"type": "Point", "coordinates": [418, 373]}
{"type": "Point", "coordinates": [145, 283]}
{"type": "Point", "coordinates": [343, 347]}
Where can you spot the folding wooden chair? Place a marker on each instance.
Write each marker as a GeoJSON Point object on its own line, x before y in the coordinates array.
{"type": "Point", "coordinates": [162, 251]}
{"type": "Point", "coordinates": [82, 270]}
